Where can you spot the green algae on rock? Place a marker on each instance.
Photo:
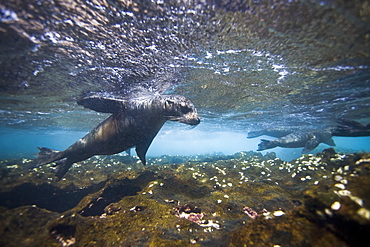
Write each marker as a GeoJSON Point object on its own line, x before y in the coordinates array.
{"type": "Point", "coordinates": [243, 199]}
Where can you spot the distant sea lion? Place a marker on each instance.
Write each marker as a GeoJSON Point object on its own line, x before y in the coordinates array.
{"type": "Point", "coordinates": [308, 139]}
{"type": "Point", "coordinates": [275, 132]}
{"type": "Point", "coordinates": [133, 123]}
{"type": "Point", "coordinates": [351, 128]}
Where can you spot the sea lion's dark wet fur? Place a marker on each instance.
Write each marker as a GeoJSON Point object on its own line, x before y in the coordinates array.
{"type": "Point", "coordinates": [133, 123]}
{"type": "Point", "coordinates": [308, 139]}
{"type": "Point", "coordinates": [345, 127]}
{"type": "Point", "coordinates": [351, 128]}
{"type": "Point", "coordinates": [274, 132]}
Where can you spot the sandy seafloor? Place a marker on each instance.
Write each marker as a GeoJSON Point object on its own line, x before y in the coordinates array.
{"type": "Point", "coordinates": [245, 199]}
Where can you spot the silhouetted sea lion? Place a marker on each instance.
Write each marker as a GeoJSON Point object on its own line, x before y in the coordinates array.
{"type": "Point", "coordinates": [351, 128]}
{"type": "Point", "coordinates": [309, 139]}
{"type": "Point", "coordinates": [275, 132]}
{"type": "Point", "coordinates": [133, 123]}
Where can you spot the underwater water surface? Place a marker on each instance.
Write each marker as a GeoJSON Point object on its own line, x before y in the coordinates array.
{"type": "Point", "coordinates": [246, 65]}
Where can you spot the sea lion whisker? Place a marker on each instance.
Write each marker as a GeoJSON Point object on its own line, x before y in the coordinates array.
{"type": "Point", "coordinates": [174, 118]}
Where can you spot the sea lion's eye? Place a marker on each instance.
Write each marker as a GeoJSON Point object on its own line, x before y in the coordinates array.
{"type": "Point", "coordinates": [169, 103]}
{"type": "Point", "coordinates": [185, 109]}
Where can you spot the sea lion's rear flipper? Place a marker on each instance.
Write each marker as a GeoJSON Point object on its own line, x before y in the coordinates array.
{"type": "Point", "coordinates": [255, 133]}
{"type": "Point", "coordinates": [351, 128]}
{"type": "Point", "coordinates": [101, 103]}
{"type": "Point", "coordinates": [350, 123]}
{"type": "Point", "coordinates": [62, 167]}
{"type": "Point", "coordinates": [46, 156]}
{"type": "Point", "coordinates": [266, 144]}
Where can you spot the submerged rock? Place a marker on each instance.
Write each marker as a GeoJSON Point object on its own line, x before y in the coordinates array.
{"type": "Point", "coordinates": [242, 199]}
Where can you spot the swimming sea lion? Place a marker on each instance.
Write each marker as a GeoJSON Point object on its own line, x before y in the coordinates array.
{"type": "Point", "coordinates": [308, 139]}
{"type": "Point", "coordinates": [351, 128]}
{"type": "Point", "coordinates": [275, 132]}
{"type": "Point", "coordinates": [133, 123]}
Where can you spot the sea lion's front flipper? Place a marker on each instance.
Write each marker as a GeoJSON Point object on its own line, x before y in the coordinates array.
{"type": "Point", "coordinates": [311, 144]}
{"type": "Point", "coordinates": [101, 103]}
{"type": "Point", "coordinates": [46, 156]}
{"type": "Point", "coordinates": [141, 150]}
{"type": "Point", "coordinates": [329, 141]}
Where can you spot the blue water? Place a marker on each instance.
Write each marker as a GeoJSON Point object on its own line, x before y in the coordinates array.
{"type": "Point", "coordinates": [18, 143]}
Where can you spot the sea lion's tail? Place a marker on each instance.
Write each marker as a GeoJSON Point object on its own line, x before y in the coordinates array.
{"type": "Point", "coordinates": [265, 144]}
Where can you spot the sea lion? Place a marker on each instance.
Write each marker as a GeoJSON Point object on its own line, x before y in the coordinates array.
{"type": "Point", "coordinates": [351, 128]}
{"type": "Point", "coordinates": [133, 123]}
{"type": "Point", "coordinates": [275, 132]}
{"type": "Point", "coordinates": [308, 139]}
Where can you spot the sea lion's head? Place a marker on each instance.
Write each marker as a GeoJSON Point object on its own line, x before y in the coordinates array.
{"type": "Point", "coordinates": [179, 108]}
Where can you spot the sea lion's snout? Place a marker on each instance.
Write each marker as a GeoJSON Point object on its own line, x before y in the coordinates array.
{"type": "Point", "coordinates": [195, 121]}
{"type": "Point", "coordinates": [191, 120]}
{"type": "Point", "coordinates": [182, 110]}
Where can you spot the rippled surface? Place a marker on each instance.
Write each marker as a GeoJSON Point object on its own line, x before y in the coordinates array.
{"type": "Point", "coordinates": [245, 64]}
